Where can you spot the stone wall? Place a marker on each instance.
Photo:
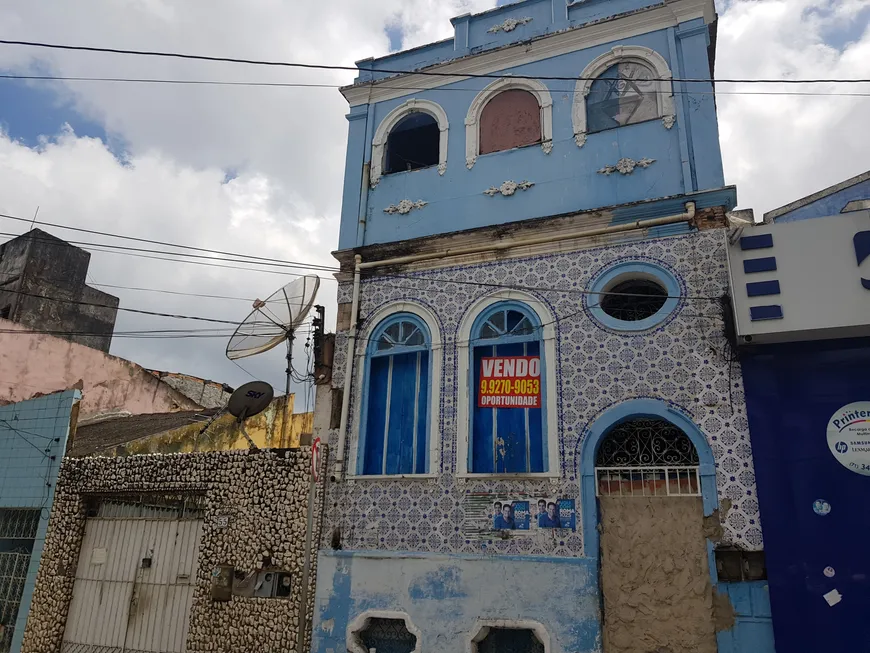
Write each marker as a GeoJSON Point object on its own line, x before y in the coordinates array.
{"type": "Point", "coordinates": [265, 494]}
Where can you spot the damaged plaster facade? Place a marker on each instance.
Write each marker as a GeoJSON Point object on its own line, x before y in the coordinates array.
{"type": "Point", "coordinates": [435, 536]}
{"type": "Point", "coordinates": [251, 509]}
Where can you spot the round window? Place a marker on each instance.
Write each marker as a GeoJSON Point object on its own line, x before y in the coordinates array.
{"type": "Point", "coordinates": [634, 299]}
{"type": "Point", "coordinates": [634, 296]}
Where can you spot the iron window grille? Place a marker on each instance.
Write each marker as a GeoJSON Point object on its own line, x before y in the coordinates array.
{"type": "Point", "coordinates": [18, 528]}
{"type": "Point", "coordinates": [633, 300]}
{"type": "Point", "coordinates": [387, 636]}
{"type": "Point", "coordinates": [647, 457]}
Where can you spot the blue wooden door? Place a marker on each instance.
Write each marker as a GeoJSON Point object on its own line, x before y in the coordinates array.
{"type": "Point", "coordinates": [753, 628]}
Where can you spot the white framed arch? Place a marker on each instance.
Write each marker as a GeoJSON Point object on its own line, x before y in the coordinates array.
{"type": "Point", "coordinates": [465, 393]}
{"type": "Point", "coordinates": [361, 622]}
{"type": "Point", "coordinates": [483, 626]}
{"type": "Point", "coordinates": [472, 120]}
{"type": "Point", "coordinates": [436, 353]}
{"type": "Point", "coordinates": [414, 105]}
{"type": "Point", "coordinates": [618, 54]}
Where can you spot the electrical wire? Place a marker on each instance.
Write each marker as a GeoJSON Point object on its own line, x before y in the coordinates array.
{"type": "Point", "coordinates": [389, 71]}
{"type": "Point", "coordinates": [217, 82]}
{"type": "Point", "coordinates": [121, 308]}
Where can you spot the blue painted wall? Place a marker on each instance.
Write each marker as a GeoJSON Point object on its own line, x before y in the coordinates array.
{"type": "Point", "coordinates": [752, 631]}
{"type": "Point", "coordinates": [830, 205]}
{"type": "Point", "coordinates": [791, 392]}
{"type": "Point", "coordinates": [687, 157]}
{"type": "Point", "coordinates": [33, 437]}
{"type": "Point", "coordinates": [445, 595]}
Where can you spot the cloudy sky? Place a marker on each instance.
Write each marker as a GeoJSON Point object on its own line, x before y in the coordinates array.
{"type": "Point", "coordinates": [259, 170]}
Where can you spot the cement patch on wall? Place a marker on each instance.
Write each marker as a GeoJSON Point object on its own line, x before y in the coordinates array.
{"type": "Point", "coordinates": [655, 577]}
{"type": "Point", "coordinates": [445, 597]}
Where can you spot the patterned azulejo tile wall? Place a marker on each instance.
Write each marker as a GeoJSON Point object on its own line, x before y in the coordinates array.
{"type": "Point", "coordinates": [684, 361]}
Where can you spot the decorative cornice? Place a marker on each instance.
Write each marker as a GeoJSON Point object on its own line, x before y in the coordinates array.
{"type": "Point", "coordinates": [508, 188]}
{"type": "Point", "coordinates": [550, 45]}
{"type": "Point", "coordinates": [626, 166]}
{"type": "Point", "coordinates": [405, 207]}
{"type": "Point", "coordinates": [509, 25]}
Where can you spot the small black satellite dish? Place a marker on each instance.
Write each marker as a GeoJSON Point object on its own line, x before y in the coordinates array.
{"type": "Point", "coordinates": [250, 399]}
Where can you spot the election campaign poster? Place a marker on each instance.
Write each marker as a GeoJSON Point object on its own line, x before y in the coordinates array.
{"type": "Point", "coordinates": [555, 513]}
{"type": "Point", "coordinates": [510, 382]}
{"type": "Point", "coordinates": [528, 515]}
{"type": "Point", "coordinates": [511, 515]}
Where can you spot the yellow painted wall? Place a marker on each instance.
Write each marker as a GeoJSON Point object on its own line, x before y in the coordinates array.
{"type": "Point", "coordinates": [224, 434]}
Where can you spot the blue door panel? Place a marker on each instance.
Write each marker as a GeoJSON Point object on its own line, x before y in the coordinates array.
{"type": "Point", "coordinates": [753, 628]}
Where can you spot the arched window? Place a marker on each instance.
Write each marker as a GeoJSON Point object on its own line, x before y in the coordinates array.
{"type": "Point", "coordinates": [412, 143]}
{"type": "Point", "coordinates": [623, 94]}
{"type": "Point", "coordinates": [411, 136]}
{"type": "Point", "coordinates": [508, 113]}
{"type": "Point", "coordinates": [647, 456]}
{"type": "Point", "coordinates": [396, 389]}
{"type": "Point", "coordinates": [510, 119]}
{"type": "Point", "coordinates": [507, 411]}
{"type": "Point", "coordinates": [627, 85]}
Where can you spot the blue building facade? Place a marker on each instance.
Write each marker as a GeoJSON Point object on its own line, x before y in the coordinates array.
{"type": "Point", "coordinates": [33, 439]}
{"type": "Point", "coordinates": [530, 350]}
{"type": "Point", "coordinates": [805, 351]}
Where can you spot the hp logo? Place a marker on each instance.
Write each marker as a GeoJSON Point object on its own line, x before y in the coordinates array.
{"type": "Point", "coordinates": [841, 447]}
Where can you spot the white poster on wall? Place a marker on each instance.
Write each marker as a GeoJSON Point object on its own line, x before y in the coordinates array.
{"type": "Point", "coordinates": [849, 437]}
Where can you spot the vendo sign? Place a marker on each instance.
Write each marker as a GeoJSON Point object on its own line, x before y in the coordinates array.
{"type": "Point", "coordinates": [510, 382]}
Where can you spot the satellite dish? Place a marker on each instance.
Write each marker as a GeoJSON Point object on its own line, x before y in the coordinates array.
{"type": "Point", "coordinates": [250, 399]}
{"type": "Point", "coordinates": [247, 401]}
{"type": "Point", "coordinates": [273, 321]}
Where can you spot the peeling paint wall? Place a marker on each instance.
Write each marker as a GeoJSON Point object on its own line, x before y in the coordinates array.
{"type": "Point", "coordinates": [444, 596]}
{"type": "Point", "coordinates": [264, 494]}
{"type": "Point", "coordinates": [655, 577]}
{"type": "Point", "coordinates": [34, 363]}
{"type": "Point", "coordinates": [265, 429]}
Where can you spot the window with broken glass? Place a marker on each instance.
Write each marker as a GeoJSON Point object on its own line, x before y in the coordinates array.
{"type": "Point", "coordinates": [622, 95]}
{"type": "Point", "coordinates": [633, 300]}
{"type": "Point", "coordinates": [510, 640]}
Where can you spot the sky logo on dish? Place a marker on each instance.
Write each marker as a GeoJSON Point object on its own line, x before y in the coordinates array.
{"type": "Point", "coordinates": [862, 251]}
{"type": "Point", "coordinates": [842, 447]}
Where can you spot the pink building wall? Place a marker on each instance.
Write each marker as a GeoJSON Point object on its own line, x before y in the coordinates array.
{"type": "Point", "coordinates": [36, 364]}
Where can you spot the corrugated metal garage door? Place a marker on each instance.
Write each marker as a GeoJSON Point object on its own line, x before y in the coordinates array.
{"type": "Point", "coordinates": [134, 582]}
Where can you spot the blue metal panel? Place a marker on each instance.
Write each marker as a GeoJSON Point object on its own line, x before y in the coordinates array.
{"type": "Point", "coordinates": [373, 443]}
{"type": "Point", "coordinates": [482, 445]}
{"type": "Point", "coordinates": [761, 288]}
{"type": "Point", "coordinates": [766, 264]}
{"type": "Point", "coordinates": [791, 393]}
{"type": "Point", "coordinates": [758, 313]}
{"type": "Point", "coordinates": [511, 443]}
{"type": "Point", "coordinates": [761, 241]}
{"type": "Point", "coordinates": [753, 629]}
{"type": "Point", "coordinates": [400, 434]}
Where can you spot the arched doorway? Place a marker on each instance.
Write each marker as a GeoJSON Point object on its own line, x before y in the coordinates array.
{"type": "Point", "coordinates": [650, 474]}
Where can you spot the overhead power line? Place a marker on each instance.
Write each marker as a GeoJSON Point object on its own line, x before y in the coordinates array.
{"type": "Point", "coordinates": [389, 71]}
{"type": "Point", "coordinates": [120, 308]}
{"type": "Point", "coordinates": [260, 259]}
{"type": "Point", "coordinates": [218, 82]}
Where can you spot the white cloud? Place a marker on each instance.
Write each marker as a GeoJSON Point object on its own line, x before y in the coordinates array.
{"type": "Point", "coordinates": [779, 148]}
{"type": "Point", "coordinates": [286, 146]}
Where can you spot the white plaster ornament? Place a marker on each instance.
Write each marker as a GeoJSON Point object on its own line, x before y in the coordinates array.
{"type": "Point", "coordinates": [509, 25]}
{"type": "Point", "coordinates": [405, 207]}
{"type": "Point", "coordinates": [626, 166]}
{"type": "Point", "coordinates": [508, 188]}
